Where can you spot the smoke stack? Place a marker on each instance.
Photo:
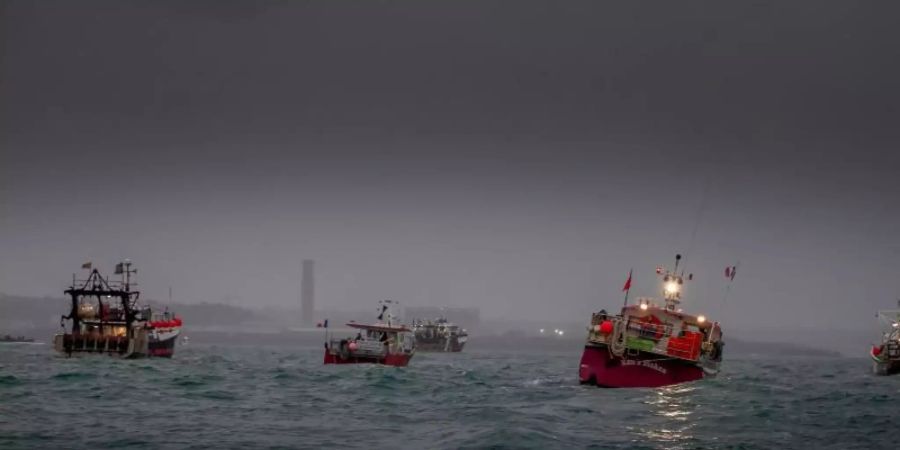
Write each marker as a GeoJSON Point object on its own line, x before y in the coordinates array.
{"type": "Point", "coordinates": [307, 294]}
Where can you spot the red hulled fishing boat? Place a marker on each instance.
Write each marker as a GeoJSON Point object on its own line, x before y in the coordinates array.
{"type": "Point", "coordinates": [650, 345]}
{"type": "Point", "coordinates": [886, 355]}
{"type": "Point", "coordinates": [106, 319]}
{"type": "Point", "coordinates": [383, 342]}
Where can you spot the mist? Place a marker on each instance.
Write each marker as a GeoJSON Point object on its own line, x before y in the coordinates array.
{"type": "Point", "coordinates": [516, 157]}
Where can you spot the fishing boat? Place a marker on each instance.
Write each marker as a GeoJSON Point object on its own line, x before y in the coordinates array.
{"type": "Point", "coordinates": [384, 342]}
{"type": "Point", "coordinates": [651, 345]}
{"type": "Point", "coordinates": [105, 318]}
{"type": "Point", "coordinates": [439, 335]}
{"type": "Point", "coordinates": [886, 356]}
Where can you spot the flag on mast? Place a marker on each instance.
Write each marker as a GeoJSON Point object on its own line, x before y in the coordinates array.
{"type": "Point", "coordinates": [627, 286]}
{"type": "Point", "coordinates": [730, 272]}
{"type": "Point", "coordinates": [87, 265]}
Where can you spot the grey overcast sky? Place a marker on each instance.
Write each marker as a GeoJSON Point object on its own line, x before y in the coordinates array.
{"type": "Point", "coordinates": [517, 156]}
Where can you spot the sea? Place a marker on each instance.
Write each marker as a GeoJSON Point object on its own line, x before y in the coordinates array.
{"type": "Point", "coordinates": [250, 397]}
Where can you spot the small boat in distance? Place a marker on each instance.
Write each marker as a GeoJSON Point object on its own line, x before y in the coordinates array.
{"type": "Point", "coordinates": [106, 319]}
{"type": "Point", "coordinates": [7, 339]}
{"type": "Point", "coordinates": [650, 346]}
{"type": "Point", "coordinates": [886, 356]}
{"type": "Point", "coordinates": [439, 335]}
{"type": "Point", "coordinates": [383, 342]}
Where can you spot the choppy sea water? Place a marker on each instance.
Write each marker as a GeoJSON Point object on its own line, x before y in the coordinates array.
{"type": "Point", "coordinates": [246, 397]}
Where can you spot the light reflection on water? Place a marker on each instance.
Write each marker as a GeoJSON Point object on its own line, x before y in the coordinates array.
{"type": "Point", "coordinates": [672, 407]}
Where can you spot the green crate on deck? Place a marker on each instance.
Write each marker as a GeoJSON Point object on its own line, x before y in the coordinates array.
{"type": "Point", "coordinates": [639, 343]}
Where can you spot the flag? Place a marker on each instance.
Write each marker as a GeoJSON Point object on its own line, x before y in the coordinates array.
{"type": "Point", "coordinates": [120, 268]}
{"type": "Point", "coordinates": [326, 323]}
{"type": "Point", "coordinates": [730, 272]}
{"type": "Point", "coordinates": [87, 265]}
{"type": "Point", "coordinates": [627, 286]}
{"type": "Point", "coordinates": [383, 309]}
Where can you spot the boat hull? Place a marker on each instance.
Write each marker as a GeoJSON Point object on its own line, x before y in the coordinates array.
{"type": "Point", "coordinates": [153, 344]}
{"type": "Point", "coordinates": [162, 344]}
{"type": "Point", "coordinates": [886, 368]}
{"type": "Point", "coordinates": [440, 346]}
{"type": "Point", "coordinates": [396, 360]}
{"type": "Point", "coordinates": [642, 369]}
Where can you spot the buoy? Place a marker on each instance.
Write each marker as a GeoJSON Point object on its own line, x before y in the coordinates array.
{"type": "Point", "coordinates": [353, 346]}
{"type": "Point", "coordinates": [606, 327]}
{"type": "Point", "coordinates": [876, 350]}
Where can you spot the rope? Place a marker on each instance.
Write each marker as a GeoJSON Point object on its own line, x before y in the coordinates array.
{"type": "Point", "coordinates": [617, 344]}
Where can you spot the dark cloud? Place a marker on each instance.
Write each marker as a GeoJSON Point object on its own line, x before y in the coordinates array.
{"type": "Point", "coordinates": [520, 156]}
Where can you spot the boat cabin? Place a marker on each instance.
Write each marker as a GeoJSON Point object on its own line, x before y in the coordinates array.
{"type": "Point", "coordinates": [657, 330]}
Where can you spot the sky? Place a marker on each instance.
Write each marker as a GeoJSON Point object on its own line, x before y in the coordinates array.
{"type": "Point", "coordinates": [520, 157]}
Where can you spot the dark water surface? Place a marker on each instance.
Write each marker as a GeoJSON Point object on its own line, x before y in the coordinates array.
{"type": "Point", "coordinates": [244, 397]}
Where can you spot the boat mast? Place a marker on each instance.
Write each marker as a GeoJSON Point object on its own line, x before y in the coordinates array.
{"type": "Point", "coordinates": [672, 283]}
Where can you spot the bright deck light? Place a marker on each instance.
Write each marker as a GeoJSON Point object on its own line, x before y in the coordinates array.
{"type": "Point", "coordinates": [644, 306]}
{"type": "Point", "coordinates": [701, 319]}
{"type": "Point", "coordinates": [672, 287]}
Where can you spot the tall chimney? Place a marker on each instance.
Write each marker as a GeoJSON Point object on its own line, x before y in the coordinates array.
{"type": "Point", "coordinates": [307, 294]}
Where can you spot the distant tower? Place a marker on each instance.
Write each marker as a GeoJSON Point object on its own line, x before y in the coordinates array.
{"type": "Point", "coordinates": [307, 294]}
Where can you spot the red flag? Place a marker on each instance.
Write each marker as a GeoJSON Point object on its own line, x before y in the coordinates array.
{"type": "Point", "coordinates": [627, 283]}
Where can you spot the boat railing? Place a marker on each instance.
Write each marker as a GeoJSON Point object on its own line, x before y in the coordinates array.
{"type": "Point", "coordinates": [661, 339]}
{"type": "Point", "coordinates": [649, 330]}
{"type": "Point", "coordinates": [359, 347]}
{"type": "Point", "coordinates": [369, 348]}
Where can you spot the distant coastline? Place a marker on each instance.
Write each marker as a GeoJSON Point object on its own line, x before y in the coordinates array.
{"type": "Point", "coordinates": [214, 323]}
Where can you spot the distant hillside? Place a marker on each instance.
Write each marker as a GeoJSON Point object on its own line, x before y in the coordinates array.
{"type": "Point", "coordinates": [37, 315]}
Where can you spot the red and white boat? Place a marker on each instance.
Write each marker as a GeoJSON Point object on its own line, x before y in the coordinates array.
{"type": "Point", "coordinates": [381, 343]}
{"type": "Point", "coordinates": [649, 345]}
{"type": "Point", "coordinates": [162, 333]}
{"type": "Point", "coordinates": [886, 355]}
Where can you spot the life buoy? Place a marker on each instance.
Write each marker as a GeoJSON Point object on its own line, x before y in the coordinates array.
{"type": "Point", "coordinates": [606, 327]}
